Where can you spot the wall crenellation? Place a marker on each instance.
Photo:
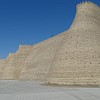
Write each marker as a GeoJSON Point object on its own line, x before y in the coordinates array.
{"type": "Point", "coordinates": [87, 3]}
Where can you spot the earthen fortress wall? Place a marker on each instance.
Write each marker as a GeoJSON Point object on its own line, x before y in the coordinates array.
{"type": "Point", "coordinates": [70, 58]}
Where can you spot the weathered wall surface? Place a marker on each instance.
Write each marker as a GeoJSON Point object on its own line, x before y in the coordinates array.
{"type": "Point", "coordinates": [39, 61]}
{"type": "Point", "coordinates": [28, 67]}
{"type": "Point", "coordinates": [14, 64]}
{"type": "Point", "coordinates": [6, 70]}
{"type": "Point", "coordinates": [2, 62]}
{"type": "Point", "coordinates": [78, 59]}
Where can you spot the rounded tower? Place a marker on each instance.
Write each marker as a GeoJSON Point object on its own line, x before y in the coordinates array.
{"type": "Point", "coordinates": [77, 61]}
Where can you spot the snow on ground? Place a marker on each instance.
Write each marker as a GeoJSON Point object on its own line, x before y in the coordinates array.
{"type": "Point", "coordinates": [32, 90]}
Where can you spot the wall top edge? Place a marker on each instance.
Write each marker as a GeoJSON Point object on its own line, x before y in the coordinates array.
{"type": "Point", "coordinates": [87, 3]}
{"type": "Point", "coordinates": [24, 45]}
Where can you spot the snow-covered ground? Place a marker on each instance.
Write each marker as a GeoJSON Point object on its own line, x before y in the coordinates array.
{"type": "Point", "coordinates": [31, 90]}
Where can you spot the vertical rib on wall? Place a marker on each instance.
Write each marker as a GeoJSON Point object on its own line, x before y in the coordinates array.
{"type": "Point", "coordinates": [6, 72]}
{"type": "Point", "coordinates": [2, 63]}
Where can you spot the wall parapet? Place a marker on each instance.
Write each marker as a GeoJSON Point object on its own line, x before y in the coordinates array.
{"type": "Point", "coordinates": [87, 3]}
